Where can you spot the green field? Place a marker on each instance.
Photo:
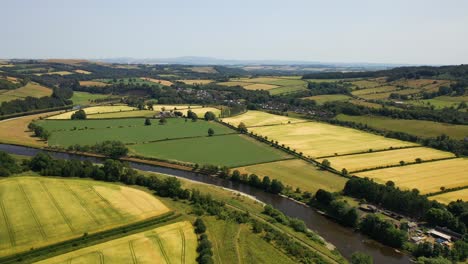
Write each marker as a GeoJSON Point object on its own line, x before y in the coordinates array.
{"type": "Point", "coordinates": [386, 158]}
{"type": "Point", "coordinates": [84, 98]}
{"type": "Point", "coordinates": [283, 85]}
{"type": "Point", "coordinates": [126, 130]}
{"type": "Point", "coordinates": [321, 99]}
{"type": "Point", "coordinates": [229, 150]}
{"type": "Point", "coordinates": [420, 128]}
{"type": "Point", "coordinates": [441, 101]}
{"type": "Point", "coordinates": [38, 211]}
{"type": "Point", "coordinates": [174, 243]}
{"type": "Point", "coordinates": [298, 173]}
{"type": "Point", "coordinates": [30, 89]}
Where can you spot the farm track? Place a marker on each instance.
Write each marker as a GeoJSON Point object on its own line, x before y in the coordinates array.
{"type": "Point", "coordinates": [33, 213]}
{"type": "Point", "coordinates": [57, 206]}
{"type": "Point", "coordinates": [11, 234]}
{"type": "Point", "coordinates": [161, 247]}
{"type": "Point", "coordinates": [406, 164]}
{"type": "Point", "coordinates": [182, 236]}
{"type": "Point", "coordinates": [101, 257]}
{"type": "Point", "coordinates": [367, 152]}
{"type": "Point", "coordinates": [106, 202]}
{"type": "Point", "coordinates": [82, 203]}
{"type": "Point", "coordinates": [238, 250]}
{"type": "Point", "coordinates": [132, 251]}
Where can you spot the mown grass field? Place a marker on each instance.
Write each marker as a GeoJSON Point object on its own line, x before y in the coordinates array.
{"type": "Point", "coordinates": [228, 150]}
{"type": "Point", "coordinates": [426, 177]}
{"type": "Point", "coordinates": [420, 128]}
{"type": "Point", "coordinates": [259, 118]}
{"type": "Point", "coordinates": [321, 99]}
{"type": "Point", "coordinates": [30, 89]}
{"type": "Point", "coordinates": [448, 197]}
{"type": "Point", "coordinates": [298, 174]}
{"type": "Point", "coordinates": [316, 139]}
{"type": "Point", "coordinates": [173, 243]}
{"type": "Point", "coordinates": [386, 158]}
{"type": "Point", "coordinates": [126, 130]}
{"type": "Point", "coordinates": [84, 98]}
{"type": "Point", "coordinates": [37, 211]}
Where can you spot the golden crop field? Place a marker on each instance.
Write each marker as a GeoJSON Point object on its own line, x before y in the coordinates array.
{"type": "Point", "coordinates": [93, 83]}
{"type": "Point", "coordinates": [193, 82]}
{"type": "Point", "coordinates": [316, 139]}
{"type": "Point", "coordinates": [321, 99]}
{"type": "Point", "coordinates": [235, 83]}
{"type": "Point", "coordinates": [203, 69]}
{"type": "Point", "coordinates": [174, 243]}
{"type": "Point", "coordinates": [57, 72]}
{"type": "Point", "coordinates": [448, 197]}
{"type": "Point", "coordinates": [83, 72]}
{"type": "Point", "coordinates": [30, 89]}
{"type": "Point", "coordinates": [15, 130]}
{"type": "Point", "coordinates": [95, 110]}
{"type": "Point", "coordinates": [379, 89]}
{"type": "Point", "coordinates": [385, 158]}
{"type": "Point", "coordinates": [259, 118]}
{"type": "Point", "coordinates": [426, 177]}
{"type": "Point", "coordinates": [201, 111]}
{"type": "Point", "coordinates": [163, 82]}
{"type": "Point", "coordinates": [298, 173]}
{"type": "Point", "coordinates": [260, 86]}
{"type": "Point", "coordinates": [38, 211]}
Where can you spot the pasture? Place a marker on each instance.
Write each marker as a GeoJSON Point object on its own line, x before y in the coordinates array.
{"type": "Point", "coordinates": [259, 118]}
{"type": "Point", "coordinates": [228, 150]}
{"type": "Point", "coordinates": [421, 128]}
{"type": "Point", "coordinates": [61, 73]}
{"type": "Point", "coordinates": [426, 177]}
{"type": "Point", "coordinates": [37, 211]}
{"type": "Point", "coordinates": [30, 89]}
{"type": "Point", "coordinates": [386, 158]}
{"type": "Point", "coordinates": [126, 130]}
{"type": "Point", "coordinates": [322, 99]}
{"type": "Point", "coordinates": [298, 173]}
{"type": "Point", "coordinates": [173, 243]}
{"type": "Point", "coordinates": [84, 98]}
{"type": "Point", "coordinates": [448, 197]}
{"type": "Point", "coordinates": [441, 101]}
{"type": "Point", "coordinates": [316, 139]}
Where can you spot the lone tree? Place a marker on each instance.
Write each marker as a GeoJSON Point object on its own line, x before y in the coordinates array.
{"type": "Point", "coordinates": [79, 115]}
{"type": "Point", "coordinates": [242, 128]}
{"type": "Point", "coordinates": [210, 132]}
{"type": "Point", "coordinates": [162, 120]}
{"type": "Point", "coordinates": [326, 163]}
{"type": "Point", "coordinates": [147, 122]}
{"type": "Point", "coordinates": [344, 171]}
{"type": "Point", "coordinates": [209, 116]}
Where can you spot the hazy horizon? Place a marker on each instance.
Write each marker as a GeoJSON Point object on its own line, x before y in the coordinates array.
{"type": "Point", "coordinates": [385, 32]}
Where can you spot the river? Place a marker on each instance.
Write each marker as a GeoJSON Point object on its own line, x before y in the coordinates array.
{"type": "Point", "coordinates": [346, 240]}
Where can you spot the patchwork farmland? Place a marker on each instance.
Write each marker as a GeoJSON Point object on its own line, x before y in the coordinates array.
{"type": "Point", "coordinates": [274, 85]}
{"type": "Point", "coordinates": [42, 211]}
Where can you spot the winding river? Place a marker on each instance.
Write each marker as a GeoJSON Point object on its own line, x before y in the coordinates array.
{"type": "Point", "coordinates": [346, 240]}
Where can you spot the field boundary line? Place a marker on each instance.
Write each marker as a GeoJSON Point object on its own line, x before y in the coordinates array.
{"type": "Point", "coordinates": [80, 201]}
{"type": "Point", "coordinates": [238, 250]}
{"type": "Point", "coordinates": [161, 247]}
{"type": "Point", "coordinates": [182, 235]}
{"type": "Point", "coordinates": [179, 138]}
{"type": "Point", "coordinates": [57, 206]}
{"type": "Point", "coordinates": [8, 224]}
{"type": "Point", "coordinates": [36, 219]}
{"type": "Point", "coordinates": [106, 202]}
{"type": "Point", "coordinates": [367, 152]}
{"type": "Point", "coordinates": [446, 191]}
{"type": "Point", "coordinates": [406, 164]}
{"type": "Point", "coordinates": [266, 162]}
{"type": "Point", "coordinates": [132, 251]}
{"type": "Point", "coordinates": [281, 124]}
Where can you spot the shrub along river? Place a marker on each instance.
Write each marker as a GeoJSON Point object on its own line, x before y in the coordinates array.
{"type": "Point", "coordinates": [345, 239]}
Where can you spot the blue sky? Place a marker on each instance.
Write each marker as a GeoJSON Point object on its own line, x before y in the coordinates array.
{"type": "Point", "coordinates": [396, 31]}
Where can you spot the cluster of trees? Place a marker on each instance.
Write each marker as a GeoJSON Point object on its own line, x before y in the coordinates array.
{"type": "Point", "coordinates": [455, 89]}
{"type": "Point", "coordinates": [109, 148]}
{"type": "Point", "coordinates": [338, 209]}
{"type": "Point", "coordinates": [409, 203]}
{"type": "Point", "coordinates": [297, 224]}
{"type": "Point", "coordinates": [427, 250]}
{"type": "Point", "coordinates": [273, 186]}
{"type": "Point", "coordinates": [8, 165]}
{"type": "Point", "coordinates": [383, 231]}
{"type": "Point", "coordinates": [204, 248]}
{"type": "Point", "coordinates": [39, 131]}
{"type": "Point", "coordinates": [79, 115]}
{"type": "Point", "coordinates": [7, 85]}
{"type": "Point", "coordinates": [192, 115]}
{"type": "Point", "coordinates": [29, 104]}
{"type": "Point", "coordinates": [318, 88]}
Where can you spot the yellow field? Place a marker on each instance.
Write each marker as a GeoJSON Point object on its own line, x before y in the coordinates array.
{"type": "Point", "coordinates": [83, 72]}
{"type": "Point", "coordinates": [193, 82]}
{"type": "Point", "coordinates": [163, 82]}
{"type": "Point", "coordinates": [235, 83]}
{"type": "Point", "coordinates": [201, 111]}
{"type": "Point", "coordinates": [57, 72]}
{"type": "Point", "coordinates": [316, 139]}
{"type": "Point", "coordinates": [95, 110]}
{"type": "Point", "coordinates": [260, 86]}
{"type": "Point", "coordinates": [448, 197]}
{"type": "Point", "coordinates": [67, 61]}
{"type": "Point", "coordinates": [158, 107]}
{"type": "Point", "coordinates": [129, 114]}
{"type": "Point", "coordinates": [15, 130]}
{"type": "Point", "coordinates": [426, 177]}
{"type": "Point", "coordinates": [174, 243]}
{"type": "Point", "coordinates": [93, 83]}
{"type": "Point", "coordinates": [30, 89]}
{"type": "Point", "coordinates": [259, 118]}
{"type": "Point", "coordinates": [385, 158]}
{"type": "Point", "coordinates": [298, 173]}
{"type": "Point", "coordinates": [203, 69]}
{"type": "Point", "coordinates": [37, 211]}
